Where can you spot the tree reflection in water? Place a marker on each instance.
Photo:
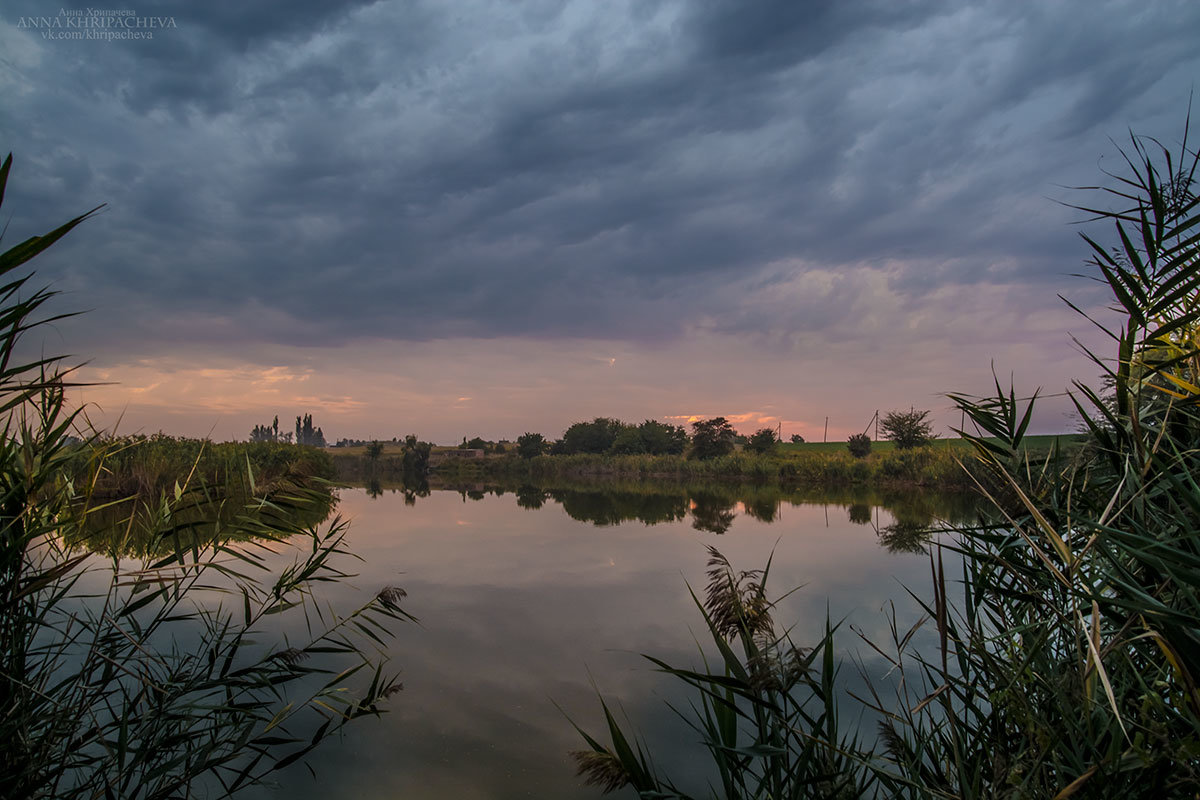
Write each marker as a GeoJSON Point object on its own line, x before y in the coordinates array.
{"type": "Point", "coordinates": [712, 512]}
{"type": "Point", "coordinates": [713, 508]}
{"type": "Point", "coordinates": [859, 513]}
{"type": "Point", "coordinates": [764, 508]}
{"type": "Point", "coordinates": [531, 497]}
{"type": "Point", "coordinates": [905, 537]}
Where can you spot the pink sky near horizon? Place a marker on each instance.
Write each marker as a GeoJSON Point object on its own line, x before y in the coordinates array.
{"type": "Point", "coordinates": [444, 390]}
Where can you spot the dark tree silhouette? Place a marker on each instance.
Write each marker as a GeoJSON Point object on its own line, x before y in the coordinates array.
{"type": "Point", "coordinates": [712, 438]}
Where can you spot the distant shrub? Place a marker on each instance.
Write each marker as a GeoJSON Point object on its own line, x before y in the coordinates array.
{"type": "Point", "coordinates": [762, 442]}
{"type": "Point", "coordinates": [530, 445]}
{"type": "Point", "coordinates": [416, 456]}
{"type": "Point", "coordinates": [907, 429]}
{"type": "Point", "coordinates": [859, 445]}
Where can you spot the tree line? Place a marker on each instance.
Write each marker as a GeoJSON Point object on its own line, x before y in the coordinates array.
{"type": "Point", "coordinates": [710, 438]}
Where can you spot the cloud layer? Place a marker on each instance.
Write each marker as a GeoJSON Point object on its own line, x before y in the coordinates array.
{"type": "Point", "coordinates": [317, 176]}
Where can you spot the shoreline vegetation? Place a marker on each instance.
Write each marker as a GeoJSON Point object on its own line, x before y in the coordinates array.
{"type": "Point", "coordinates": [938, 465]}
{"type": "Point", "coordinates": [136, 483]}
{"type": "Point", "coordinates": [144, 468]}
{"type": "Point", "coordinates": [138, 473]}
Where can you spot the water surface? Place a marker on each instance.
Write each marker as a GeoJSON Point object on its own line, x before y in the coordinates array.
{"type": "Point", "coordinates": [526, 596]}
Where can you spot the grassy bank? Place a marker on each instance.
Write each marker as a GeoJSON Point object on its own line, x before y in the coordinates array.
{"type": "Point", "coordinates": [936, 466]}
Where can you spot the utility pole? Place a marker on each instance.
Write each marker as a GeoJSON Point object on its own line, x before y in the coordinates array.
{"type": "Point", "coordinates": [826, 437]}
{"type": "Point", "coordinates": [877, 424]}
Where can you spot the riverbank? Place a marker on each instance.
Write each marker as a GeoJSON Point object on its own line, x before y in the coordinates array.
{"type": "Point", "coordinates": [944, 465]}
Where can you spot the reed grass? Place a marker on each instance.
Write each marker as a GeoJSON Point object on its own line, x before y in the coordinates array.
{"type": "Point", "coordinates": [147, 467]}
{"type": "Point", "coordinates": [1067, 659]}
{"type": "Point", "coordinates": [765, 711]}
{"type": "Point", "coordinates": [160, 677]}
{"type": "Point", "coordinates": [124, 483]}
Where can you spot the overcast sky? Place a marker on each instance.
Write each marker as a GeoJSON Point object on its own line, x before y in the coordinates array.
{"type": "Point", "coordinates": [461, 218]}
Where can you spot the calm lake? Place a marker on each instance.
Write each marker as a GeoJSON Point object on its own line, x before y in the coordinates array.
{"type": "Point", "coordinates": [528, 597]}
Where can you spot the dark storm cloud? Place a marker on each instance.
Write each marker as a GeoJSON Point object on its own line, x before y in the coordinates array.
{"type": "Point", "coordinates": [771, 35]}
{"type": "Point", "coordinates": [316, 172]}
